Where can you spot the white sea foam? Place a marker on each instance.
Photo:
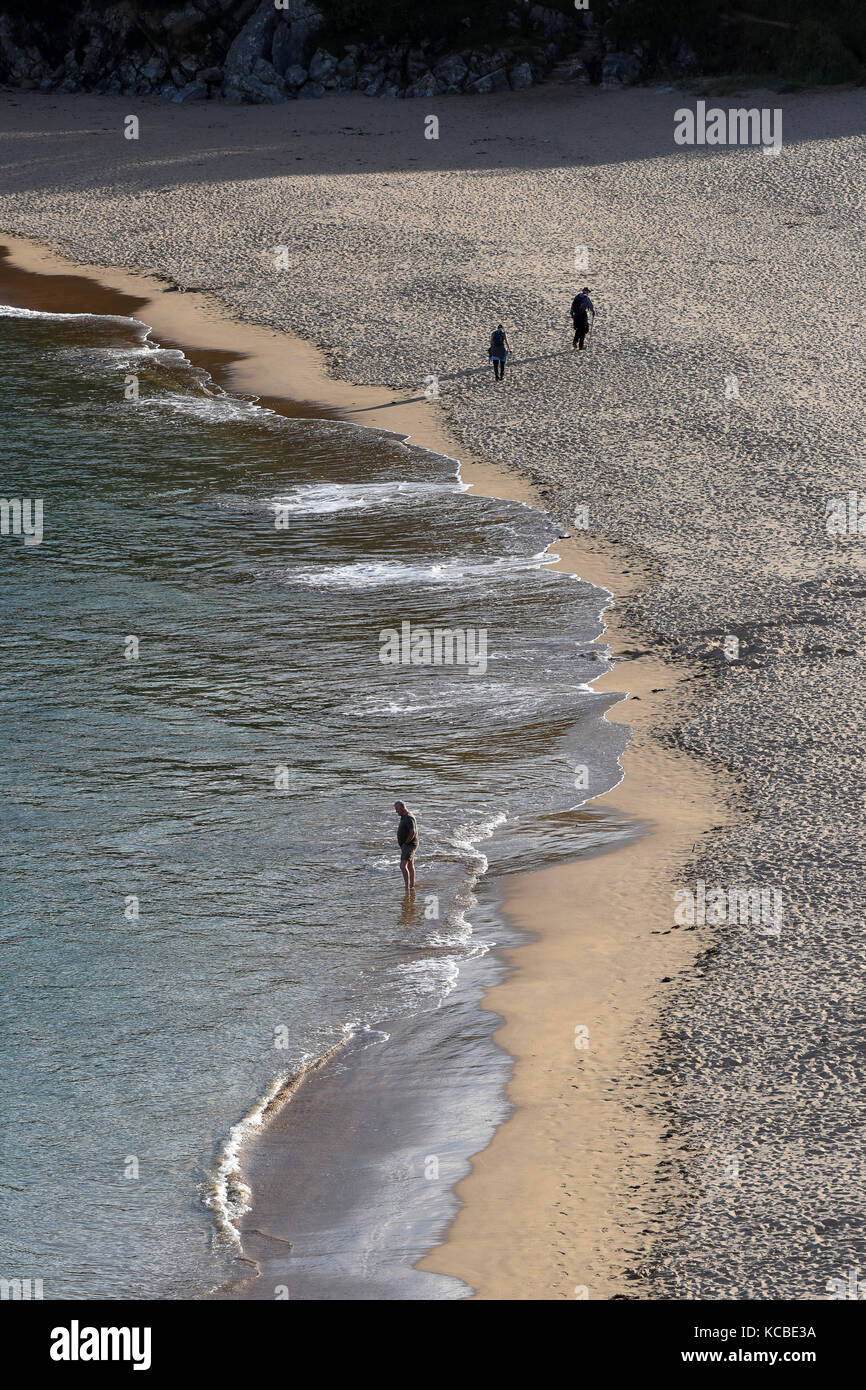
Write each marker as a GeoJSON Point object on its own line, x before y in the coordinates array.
{"type": "Point", "coordinates": [423, 982]}
{"type": "Point", "coordinates": [372, 706]}
{"type": "Point", "coordinates": [321, 499]}
{"type": "Point", "coordinates": [464, 837]}
{"type": "Point", "coordinates": [497, 699]}
{"type": "Point", "coordinates": [365, 574]}
{"type": "Point", "coordinates": [230, 1194]}
{"type": "Point", "coordinates": [211, 407]}
{"type": "Point", "coordinates": [116, 356]}
{"type": "Point", "coordinates": [11, 311]}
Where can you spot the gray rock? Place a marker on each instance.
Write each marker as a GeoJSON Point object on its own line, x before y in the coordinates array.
{"type": "Point", "coordinates": [550, 22]}
{"type": "Point", "coordinates": [13, 57]}
{"type": "Point", "coordinates": [212, 76]}
{"type": "Point", "coordinates": [283, 49]}
{"type": "Point", "coordinates": [193, 91]}
{"type": "Point", "coordinates": [489, 82]}
{"type": "Point", "coordinates": [94, 56]}
{"type": "Point", "coordinates": [296, 25]}
{"type": "Point", "coordinates": [27, 62]}
{"type": "Point", "coordinates": [348, 66]}
{"type": "Point", "coordinates": [575, 71]}
{"type": "Point", "coordinates": [265, 72]}
{"type": "Point", "coordinates": [154, 70]}
{"type": "Point", "coordinates": [391, 91]}
{"type": "Point", "coordinates": [491, 62]}
{"type": "Point", "coordinates": [375, 85]}
{"type": "Point", "coordinates": [179, 23]}
{"type": "Point", "coordinates": [521, 76]}
{"type": "Point", "coordinates": [416, 65]}
{"type": "Point", "coordinates": [311, 90]}
{"type": "Point", "coordinates": [619, 70]}
{"type": "Point", "coordinates": [426, 86]}
{"type": "Point", "coordinates": [254, 41]}
{"type": "Point", "coordinates": [452, 71]}
{"type": "Point", "coordinates": [295, 76]}
{"type": "Point", "coordinates": [323, 67]}
{"type": "Point", "coordinates": [261, 93]}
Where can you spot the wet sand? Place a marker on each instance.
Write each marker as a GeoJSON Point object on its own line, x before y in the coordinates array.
{"type": "Point", "coordinates": [705, 519]}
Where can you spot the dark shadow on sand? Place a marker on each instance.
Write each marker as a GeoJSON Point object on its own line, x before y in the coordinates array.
{"type": "Point", "coordinates": [456, 376]}
{"type": "Point", "coordinates": [550, 126]}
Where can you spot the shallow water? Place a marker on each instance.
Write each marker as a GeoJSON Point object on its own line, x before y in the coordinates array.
{"type": "Point", "coordinates": [231, 781]}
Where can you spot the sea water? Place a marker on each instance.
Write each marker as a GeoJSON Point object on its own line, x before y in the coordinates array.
{"type": "Point", "coordinates": [201, 747]}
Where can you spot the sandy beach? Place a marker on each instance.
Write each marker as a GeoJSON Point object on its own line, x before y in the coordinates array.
{"type": "Point", "coordinates": [700, 1146]}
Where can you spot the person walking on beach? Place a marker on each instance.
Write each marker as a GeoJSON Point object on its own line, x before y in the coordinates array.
{"type": "Point", "coordinates": [407, 839]}
{"type": "Point", "coordinates": [581, 308]}
{"type": "Point", "coordinates": [499, 349]}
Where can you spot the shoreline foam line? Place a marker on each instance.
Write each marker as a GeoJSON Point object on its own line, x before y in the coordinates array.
{"type": "Point", "coordinates": [504, 1241]}
{"type": "Point", "coordinates": [230, 1198]}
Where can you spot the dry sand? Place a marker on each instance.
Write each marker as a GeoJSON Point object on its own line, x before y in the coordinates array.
{"type": "Point", "coordinates": [707, 1143]}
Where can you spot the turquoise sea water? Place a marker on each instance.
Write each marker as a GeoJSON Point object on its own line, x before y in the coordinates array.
{"type": "Point", "coordinates": [201, 748]}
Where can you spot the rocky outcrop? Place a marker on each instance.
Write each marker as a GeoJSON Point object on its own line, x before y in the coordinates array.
{"type": "Point", "coordinates": [620, 70]}
{"type": "Point", "coordinates": [248, 73]}
{"type": "Point", "coordinates": [297, 25]}
{"type": "Point", "coordinates": [269, 51]}
{"type": "Point", "coordinates": [280, 50]}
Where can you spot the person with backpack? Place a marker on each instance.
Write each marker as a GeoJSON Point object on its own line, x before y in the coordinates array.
{"type": "Point", "coordinates": [581, 308]}
{"type": "Point", "coordinates": [499, 350]}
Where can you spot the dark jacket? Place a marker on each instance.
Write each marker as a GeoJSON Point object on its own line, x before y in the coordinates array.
{"type": "Point", "coordinates": [407, 831]}
{"type": "Point", "coordinates": [581, 306]}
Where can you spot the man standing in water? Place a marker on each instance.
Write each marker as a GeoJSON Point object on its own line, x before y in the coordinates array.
{"type": "Point", "coordinates": [581, 308]}
{"type": "Point", "coordinates": [407, 839]}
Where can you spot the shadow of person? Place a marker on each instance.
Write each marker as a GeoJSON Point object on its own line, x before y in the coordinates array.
{"type": "Point", "coordinates": [456, 376]}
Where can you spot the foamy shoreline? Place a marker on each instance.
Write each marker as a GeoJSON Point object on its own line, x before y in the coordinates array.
{"type": "Point", "coordinates": [723, 499]}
